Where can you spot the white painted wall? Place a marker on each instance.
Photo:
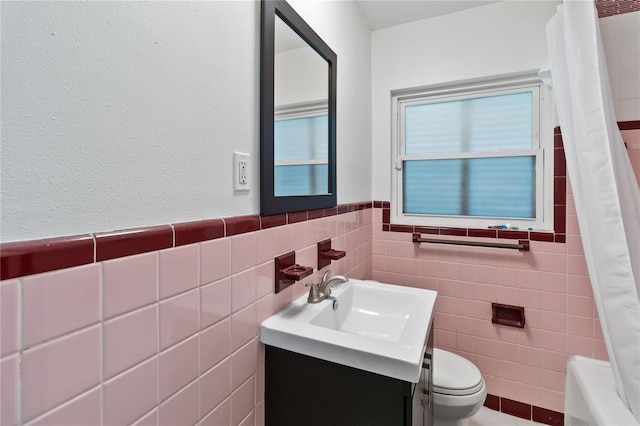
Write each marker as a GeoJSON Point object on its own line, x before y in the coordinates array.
{"type": "Point", "coordinates": [621, 40]}
{"type": "Point", "coordinates": [125, 114]}
{"type": "Point", "coordinates": [500, 38]}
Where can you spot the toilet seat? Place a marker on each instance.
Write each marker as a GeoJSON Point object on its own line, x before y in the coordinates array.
{"type": "Point", "coordinates": [455, 375]}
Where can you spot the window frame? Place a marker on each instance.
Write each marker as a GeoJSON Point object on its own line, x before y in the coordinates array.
{"type": "Point", "coordinates": [542, 149]}
{"type": "Point", "coordinates": [299, 111]}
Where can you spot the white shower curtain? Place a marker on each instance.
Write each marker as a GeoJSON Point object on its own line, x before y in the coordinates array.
{"type": "Point", "coordinates": [605, 191]}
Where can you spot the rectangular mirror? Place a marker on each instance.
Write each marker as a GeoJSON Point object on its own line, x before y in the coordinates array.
{"type": "Point", "coordinates": [297, 115]}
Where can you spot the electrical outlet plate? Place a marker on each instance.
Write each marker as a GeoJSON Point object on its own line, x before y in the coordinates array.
{"type": "Point", "coordinates": [240, 171]}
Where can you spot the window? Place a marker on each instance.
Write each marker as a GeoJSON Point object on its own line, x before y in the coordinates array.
{"type": "Point", "coordinates": [474, 156]}
{"type": "Point", "coordinates": [301, 150]}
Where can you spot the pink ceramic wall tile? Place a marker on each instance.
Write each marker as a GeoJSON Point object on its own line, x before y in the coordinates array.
{"type": "Point", "coordinates": [58, 302]}
{"type": "Point", "coordinates": [572, 226]}
{"type": "Point", "coordinates": [215, 344]}
{"type": "Point", "coordinates": [250, 420]}
{"type": "Point", "coordinates": [215, 260]}
{"type": "Point", "coordinates": [179, 318]}
{"type": "Point", "coordinates": [129, 339]}
{"type": "Point", "coordinates": [580, 306]}
{"type": "Point", "coordinates": [444, 339]}
{"type": "Point", "coordinates": [508, 295]}
{"type": "Point", "coordinates": [508, 370]}
{"type": "Point", "coordinates": [260, 383]}
{"type": "Point", "coordinates": [299, 235]}
{"type": "Point", "coordinates": [178, 366]}
{"type": "Point", "coordinates": [178, 270]}
{"type": "Point", "coordinates": [9, 390]}
{"type": "Point", "coordinates": [379, 263]}
{"type": "Point", "coordinates": [243, 251]}
{"type": "Point", "coordinates": [530, 279]}
{"type": "Point", "coordinates": [555, 361]}
{"type": "Point", "coordinates": [534, 318]}
{"type": "Point", "coordinates": [554, 302]}
{"type": "Point", "coordinates": [553, 321]}
{"type": "Point", "coordinates": [577, 345]}
{"type": "Point", "coordinates": [265, 308]}
{"type": "Point", "coordinates": [242, 401]}
{"type": "Point", "coordinates": [403, 249]}
{"type": "Point", "coordinates": [554, 262]}
{"type": "Point", "coordinates": [553, 380]}
{"type": "Point", "coordinates": [181, 408]}
{"type": "Point", "coordinates": [508, 277]}
{"type": "Point", "coordinates": [81, 411]}
{"type": "Point", "coordinates": [554, 282]}
{"type": "Point", "coordinates": [9, 317]}
{"type": "Point", "coordinates": [579, 285]}
{"type": "Point", "coordinates": [132, 394]}
{"type": "Point", "coordinates": [129, 283]}
{"type": "Point", "coordinates": [215, 386]}
{"type": "Point", "coordinates": [553, 341]}
{"type": "Point", "coordinates": [580, 326]}
{"type": "Point", "coordinates": [283, 239]}
{"type": "Point", "coordinates": [466, 343]}
{"type": "Point", "coordinates": [243, 364]}
{"type": "Point", "coordinates": [149, 419]}
{"type": "Point", "coordinates": [221, 415]}
{"type": "Point", "coordinates": [265, 245]}
{"type": "Point", "coordinates": [466, 272]}
{"type": "Point", "coordinates": [530, 356]}
{"type": "Point", "coordinates": [447, 270]}
{"type": "Point", "coordinates": [466, 290]}
{"type": "Point", "coordinates": [533, 338]}
{"type": "Point", "coordinates": [265, 279]}
{"type": "Point", "coordinates": [59, 370]}
{"type": "Point", "coordinates": [600, 350]}
{"type": "Point", "coordinates": [574, 245]}
{"type": "Point", "coordinates": [379, 247]}
{"type": "Point", "coordinates": [215, 302]}
{"type": "Point", "coordinates": [243, 289]}
{"type": "Point", "coordinates": [576, 265]}
{"type": "Point", "coordinates": [529, 298]}
{"type": "Point", "coordinates": [552, 400]}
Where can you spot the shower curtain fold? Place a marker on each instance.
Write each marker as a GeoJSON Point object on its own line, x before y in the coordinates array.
{"type": "Point", "coordinates": [605, 191]}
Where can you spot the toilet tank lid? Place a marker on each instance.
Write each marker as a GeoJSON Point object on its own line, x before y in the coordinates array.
{"type": "Point", "coordinates": [453, 372]}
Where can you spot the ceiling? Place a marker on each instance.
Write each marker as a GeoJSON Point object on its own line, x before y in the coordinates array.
{"type": "Point", "coordinates": [387, 13]}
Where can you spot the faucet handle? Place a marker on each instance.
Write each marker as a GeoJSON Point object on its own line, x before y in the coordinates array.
{"type": "Point", "coordinates": [314, 293]}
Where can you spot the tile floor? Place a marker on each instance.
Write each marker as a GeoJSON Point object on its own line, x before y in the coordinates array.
{"type": "Point", "coordinates": [488, 417]}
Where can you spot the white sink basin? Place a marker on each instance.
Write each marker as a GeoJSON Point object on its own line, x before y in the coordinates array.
{"type": "Point", "coordinates": [376, 327]}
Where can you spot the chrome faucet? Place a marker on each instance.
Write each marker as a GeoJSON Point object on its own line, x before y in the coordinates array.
{"type": "Point", "coordinates": [322, 290]}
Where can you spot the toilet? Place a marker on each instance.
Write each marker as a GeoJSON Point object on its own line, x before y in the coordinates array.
{"type": "Point", "coordinates": [458, 388]}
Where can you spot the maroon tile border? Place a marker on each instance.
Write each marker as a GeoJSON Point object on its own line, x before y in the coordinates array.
{"type": "Point", "coordinates": [241, 224]}
{"type": "Point", "coordinates": [33, 257]}
{"type": "Point", "coordinates": [492, 402]}
{"type": "Point", "coordinates": [629, 125]}
{"type": "Point", "coordinates": [111, 245]}
{"type": "Point", "coordinates": [273, 221]}
{"type": "Point", "coordinates": [21, 258]}
{"type": "Point", "coordinates": [524, 411]}
{"type": "Point", "coordinates": [547, 417]}
{"type": "Point", "coordinates": [202, 230]}
{"type": "Point", "coordinates": [515, 408]}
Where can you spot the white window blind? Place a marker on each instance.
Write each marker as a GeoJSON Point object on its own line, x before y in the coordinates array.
{"type": "Point", "coordinates": [471, 159]}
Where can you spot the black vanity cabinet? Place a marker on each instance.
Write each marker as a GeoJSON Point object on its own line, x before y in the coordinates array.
{"type": "Point", "coordinates": [304, 391]}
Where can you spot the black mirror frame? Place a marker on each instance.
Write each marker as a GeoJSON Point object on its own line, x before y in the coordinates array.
{"type": "Point", "coordinates": [269, 203]}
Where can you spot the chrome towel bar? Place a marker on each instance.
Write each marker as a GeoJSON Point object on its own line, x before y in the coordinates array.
{"type": "Point", "coordinates": [522, 245]}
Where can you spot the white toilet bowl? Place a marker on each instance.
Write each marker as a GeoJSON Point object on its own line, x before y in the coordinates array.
{"type": "Point", "coordinates": [458, 388]}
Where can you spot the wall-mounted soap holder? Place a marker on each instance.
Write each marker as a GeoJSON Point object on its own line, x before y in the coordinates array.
{"type": "Point", "coordinates": [287, 271]}
{"type": "Point", "coordinates": [326, 254]}
{"type": "Point", "coordinates": [507, 315]}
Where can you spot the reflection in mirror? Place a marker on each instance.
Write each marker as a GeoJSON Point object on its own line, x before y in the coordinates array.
{"type": "Point", "coordinates": [301, 127]}
{"type": "Point", "coordinates": [297, 114]}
